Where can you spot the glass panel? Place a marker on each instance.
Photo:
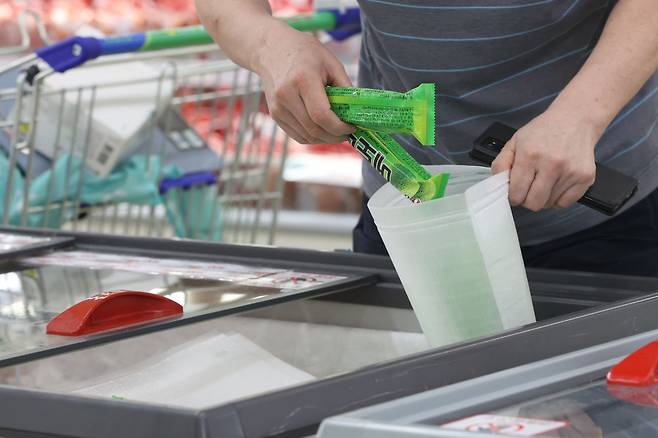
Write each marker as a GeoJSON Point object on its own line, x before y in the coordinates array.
{"type": "Point", "coordinates": [591, 410]}
{"type": "Point", "coordinates": [208, 363]}
{"type": "Point", "coordinates": [38, 288]}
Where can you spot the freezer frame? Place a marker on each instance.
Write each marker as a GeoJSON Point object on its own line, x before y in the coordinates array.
{"type": "Point", "coordinates": [409, 417]}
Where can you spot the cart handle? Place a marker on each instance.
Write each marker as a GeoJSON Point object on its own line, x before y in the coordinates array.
{"type": "Point", "coordinates": [77, 50]}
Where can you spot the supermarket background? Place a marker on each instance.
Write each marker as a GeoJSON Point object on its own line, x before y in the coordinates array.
{"type": "Point", "coordinates": [321, 183]}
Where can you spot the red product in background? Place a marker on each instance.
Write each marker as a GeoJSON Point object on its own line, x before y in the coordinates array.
{"type": "Point", "coordinates": [219, 128]}
{"type": "Point", "coordinates": [65, 17]}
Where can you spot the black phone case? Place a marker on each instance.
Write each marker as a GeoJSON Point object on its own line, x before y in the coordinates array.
{"type": "Point", "coordinates": [610, 191]}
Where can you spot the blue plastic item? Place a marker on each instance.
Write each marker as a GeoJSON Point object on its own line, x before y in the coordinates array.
{"type": "Point", "coordinates": [122, 44]}
{"type": "Point", "coordinates": [71, 52]}
{"type": "Point", "coordinates": [187, 181]}
{"type": "Point", "coordinates": [348, 23]}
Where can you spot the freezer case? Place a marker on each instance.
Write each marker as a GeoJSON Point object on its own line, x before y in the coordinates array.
{"type": "Point", "coordinates": [271, 341]}
{"type": "Point", "coordinates": [608, 390]}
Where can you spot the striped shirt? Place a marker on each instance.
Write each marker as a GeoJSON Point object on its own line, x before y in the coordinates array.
{"type": "Point", "coordinates": [501, 60]}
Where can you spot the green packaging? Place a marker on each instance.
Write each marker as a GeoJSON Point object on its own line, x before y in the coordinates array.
{"type": "Point", "coordinates": [397, 166]}
{"type": "Point", "coordinates": [386, 111]}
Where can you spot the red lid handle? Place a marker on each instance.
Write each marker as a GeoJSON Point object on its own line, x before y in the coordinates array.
{"type": "Point", "coordinates": [111, 310]}
{"type": "Point", "coordinates": [638, 369]}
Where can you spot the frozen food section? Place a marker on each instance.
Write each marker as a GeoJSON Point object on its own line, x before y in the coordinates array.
{"type": "Point", "coordinates": [578, 394]}
{"type": "Point", "coordinates": [271, 341]}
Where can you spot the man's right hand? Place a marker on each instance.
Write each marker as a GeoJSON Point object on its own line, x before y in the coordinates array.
{"type": "Point", "coordinates": [295, 67]}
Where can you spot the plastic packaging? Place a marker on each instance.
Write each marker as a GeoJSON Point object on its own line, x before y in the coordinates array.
{"type": "Point", "coordinates": [134, 181]}
{"type": "Point", "coordinates": [386, 111]}
{"type": "Point", "coordinates": [458, 257]}
{"type": "Point", "coordinates": [397, 166]}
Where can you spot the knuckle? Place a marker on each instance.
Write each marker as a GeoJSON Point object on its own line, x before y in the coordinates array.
{"type": "Point", "coordinates": [315, 131]}
{"type": "Point", "coordinates": [281, 93]}
{"type": "Point", "coordinates": [515, 199]}
{"type": "Point", "coordinates": [533, 154]}
{"type": "Point", "coordinates": [588, 175]}
{"type": "Point", "coordinates": [298, 78]}
{"type": "Point", "coordinates": [319, 115]}
{"type": "Point", "coordinates": [303, 140]}
{"type": "Point", "coordinates": [557, 163]}
{"type": "Point", "coordinates": [532, 207]}
{"type": "Point", "coordinates": [562, 203]}
{"type": "Point", "coordinates": [276, 111]}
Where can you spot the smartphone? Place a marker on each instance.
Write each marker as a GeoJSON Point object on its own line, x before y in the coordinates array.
{"type": "Point", "coordinates": [611, 189]}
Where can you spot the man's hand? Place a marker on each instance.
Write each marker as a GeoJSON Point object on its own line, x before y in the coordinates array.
{"type": "Point", "coordinates": [551, 160]}
{"type": "Point", "coordinates": [295, 67]}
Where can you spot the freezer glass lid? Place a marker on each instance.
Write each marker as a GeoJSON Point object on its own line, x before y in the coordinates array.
{"type": "Point", "coordinates": [592, 410]}
{"type": "Point", "coordinates": [35, 289]}
{"type": "Point", "coordinates": [210, 363]}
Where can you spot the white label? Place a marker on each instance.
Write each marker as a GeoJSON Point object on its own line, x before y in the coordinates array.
{"type": "Point", "coordinates": [511, 426]}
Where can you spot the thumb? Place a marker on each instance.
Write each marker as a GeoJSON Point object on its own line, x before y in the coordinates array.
{"type": "Point", "coordinates": [336, 74]}
{"type": "Point", "coordinates": [505, 158]}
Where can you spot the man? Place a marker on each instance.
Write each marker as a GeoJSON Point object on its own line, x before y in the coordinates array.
{"type": "Point", "coordinates": [534, 64]}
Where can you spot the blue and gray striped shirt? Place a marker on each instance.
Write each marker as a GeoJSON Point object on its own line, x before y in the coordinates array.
{"type": "Point", "coordinates": [501, 60]}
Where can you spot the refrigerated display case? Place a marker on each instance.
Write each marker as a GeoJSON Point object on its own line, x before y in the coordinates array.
{"type": "Point", "coordinates": [271, 340]}
{"type": "Point", "coordinates": [572, 395]}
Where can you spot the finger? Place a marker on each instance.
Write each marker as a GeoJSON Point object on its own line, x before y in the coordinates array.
{"type": "Point", "coordinates": [337, 74]}
{"type": "Point", "coordinates": [521, 177]}
{"type": "Point", "coordinates": [319, 111]}
{"type": "Point", "coordinates": [505, 158]}
{"type": "Point", "coordinates": [294, 133]}
{"type": "Point", "coordinates": [540, 191]}
{"type": "Point", "coordinates": [569, 180]}
{"type": "Point", "coordinates": [571, 196]}
{"type": "Point", "coordinates": [312, 130]}
{"type": "Point", "coordinates": [563, 184]}
{"type": "Point", "coordinates": [288, 123]}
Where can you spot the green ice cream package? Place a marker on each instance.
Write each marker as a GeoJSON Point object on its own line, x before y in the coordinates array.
{"type": "Point", "coordinates": [386, 111]}
{"type": "Point", "coordinates": [397, 166]}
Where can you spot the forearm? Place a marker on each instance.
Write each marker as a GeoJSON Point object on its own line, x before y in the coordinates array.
{"type": "Point", "coordinates": [238, 26]}
{"type": "Point", "coordinates": [622, 61]}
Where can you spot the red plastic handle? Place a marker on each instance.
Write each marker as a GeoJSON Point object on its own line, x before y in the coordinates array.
{"type": "Point", "coordinates": [111, 310]}
{"type": "Point", "coordinates": [637, 369]}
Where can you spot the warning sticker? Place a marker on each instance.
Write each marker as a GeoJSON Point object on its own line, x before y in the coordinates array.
{"type": "Point", "coordinates": [513, 426]}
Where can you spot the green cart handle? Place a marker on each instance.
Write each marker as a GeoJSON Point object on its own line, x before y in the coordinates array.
{"type": "Point", "coordinates": [77, 50]}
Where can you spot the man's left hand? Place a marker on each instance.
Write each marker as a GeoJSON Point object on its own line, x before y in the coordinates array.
{"type": "Point", "coordinates": [551, 160]}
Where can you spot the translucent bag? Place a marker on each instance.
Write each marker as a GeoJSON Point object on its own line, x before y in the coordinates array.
{"type": "Point", "coordinates": [458, 257]}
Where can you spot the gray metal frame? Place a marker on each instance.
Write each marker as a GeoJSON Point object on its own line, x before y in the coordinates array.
{"type": "Point", "coordinates": [53, 243]}
{"type": "Point", "coordinates": [413, 416]}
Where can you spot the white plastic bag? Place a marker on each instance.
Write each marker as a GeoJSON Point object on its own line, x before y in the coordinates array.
{"type": "Point", "coordinates": [458, 257]}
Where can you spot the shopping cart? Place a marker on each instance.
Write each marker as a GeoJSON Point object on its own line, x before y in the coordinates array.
{"type": "Point", "coordinates": [196, 155]}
